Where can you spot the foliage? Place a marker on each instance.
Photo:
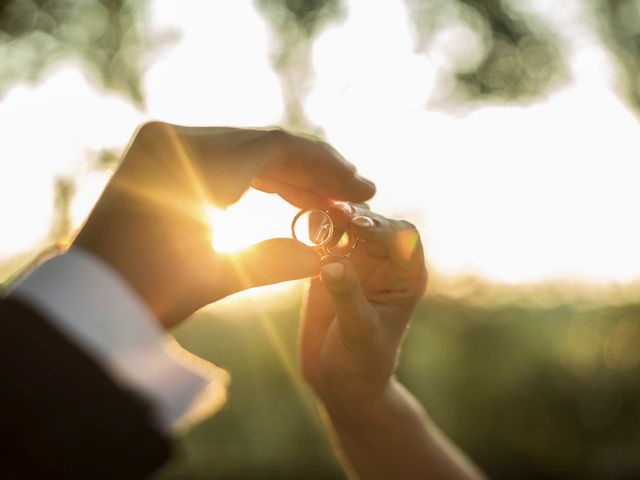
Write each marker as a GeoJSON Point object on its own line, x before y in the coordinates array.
{"type": "Point", "coordinates": [107, 37]}
{"type": "Point", "coordinates": [514, 54]}
{"type": "Point", "coordinates": [295, 24]}
{"type": "Point", "coordinates": [618, 22]}
{"type": "Point", "coordinates": [529, 391]}
{"type": "Point", "coordinates": [519, 58]}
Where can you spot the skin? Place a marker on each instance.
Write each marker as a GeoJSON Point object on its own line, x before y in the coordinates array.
{"type": "Point", "coordinates": [149, 223]}
{"type": "Point", "coordinates": [353, 322]}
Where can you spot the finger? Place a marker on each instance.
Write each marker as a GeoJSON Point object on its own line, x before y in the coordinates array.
{"type": "Point", "coordinates": [311, 165]}
{"type": "Point", "coordinates": [383, 237]}
{"type": "Point", "coordinates": [218, 163]}
{"type": "Point", "coordinates": [272, 261]}
{"type": "Point", "coordinates": [354, 313]}
{"type": "Point", "coordinates": [400, 238]}
{"type": "Point", "coordinates": [317, 314]}
{"type": "Point", "coordinates": [212, 164]}
{"type": "Point", "coordinates": [295, 196]}
{"type": "Point", "coordinates": [341, 214]}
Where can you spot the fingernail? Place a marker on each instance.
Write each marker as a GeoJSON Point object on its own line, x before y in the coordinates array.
{"type": "Point", "coordinates": [333, 271]}
{"type": "Point", "coordinates": [363, 222]}
{"type": "Point", "coordinates": [257, 182]}
{"type": "Point", "coordinates": [343, 207]}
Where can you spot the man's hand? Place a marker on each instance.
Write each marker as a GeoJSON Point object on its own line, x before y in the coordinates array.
{"type": "Point", "coordinates": [150, 225]}
{"type": "Point", "coordinates": [354, 323]}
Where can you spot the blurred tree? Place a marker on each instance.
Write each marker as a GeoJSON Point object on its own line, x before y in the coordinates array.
{"type": "Point", "coordinates": [513, 57]}
{"type": "Point", "coordinates": [618, 23]}
{"type": "Point", "coordinates": [510, 56]}
{"type": "Point", "coordinates": [108, 38]}
{"type": "Point", "coordinates": [107, 158]}
{"type": "Point", "coordinates": [296, 24]}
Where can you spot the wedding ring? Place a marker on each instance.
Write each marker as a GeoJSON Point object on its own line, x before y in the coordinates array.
{"type": "Point", "coordinates": [315, 228]}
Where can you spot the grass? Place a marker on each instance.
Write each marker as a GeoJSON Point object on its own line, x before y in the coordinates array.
{"type": "Point", "coordinates": [528, 389]}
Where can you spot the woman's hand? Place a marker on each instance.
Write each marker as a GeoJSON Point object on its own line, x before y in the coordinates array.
{"type": "Point", "coordinates": [356, 315]}
{"type": "Point", "coordinates": [352, 329]}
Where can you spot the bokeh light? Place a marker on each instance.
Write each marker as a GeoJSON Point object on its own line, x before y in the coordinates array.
{"type": "Point", "coordinates": [506, 131]}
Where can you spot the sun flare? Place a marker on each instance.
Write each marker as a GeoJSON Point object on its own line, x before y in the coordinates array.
{"type": "Point", "coordinates": [256, 217]}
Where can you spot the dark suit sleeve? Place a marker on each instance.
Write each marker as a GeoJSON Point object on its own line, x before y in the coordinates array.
{"type": "Point", "coordinates": [61, 416]}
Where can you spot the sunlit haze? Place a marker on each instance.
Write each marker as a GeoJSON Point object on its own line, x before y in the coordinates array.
{"type": "Point", "coordinates": [512, 193]}
{"type": "Point", "coordinates": [257, 216]}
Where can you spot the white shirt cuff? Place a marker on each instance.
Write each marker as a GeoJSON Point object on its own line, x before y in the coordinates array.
{"type": "Point", "coordinates": [87, 300]}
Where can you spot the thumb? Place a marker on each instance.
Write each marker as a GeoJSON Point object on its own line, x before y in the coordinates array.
{"type": "Point", "coordinates": [353, 310]}
{"type": "Point", "coordinates": [272, 261]}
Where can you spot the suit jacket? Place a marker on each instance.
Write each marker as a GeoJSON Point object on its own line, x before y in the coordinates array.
{"type": "Point", "coordinates": [61, 416]}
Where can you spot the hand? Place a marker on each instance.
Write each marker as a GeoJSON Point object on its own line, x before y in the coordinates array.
{"type": "Point", "coordinates": [353, 324]}
{"type": "Point", "coordinates": [356, 315]}
{"type": "Point", "coordinates": [150, 225]}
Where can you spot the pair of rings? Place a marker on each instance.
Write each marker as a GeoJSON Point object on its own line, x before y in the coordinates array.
{"type": "Point", "coordinates": [324, 231]}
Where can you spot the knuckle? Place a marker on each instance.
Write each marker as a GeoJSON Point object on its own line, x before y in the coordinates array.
{"type": "Point", "coordinates": [405, 231]}
{"type": "Point", "coordinates": [151, 129]}
{"type": "Point", "coordinates": [349, 169]}
{"type": "Point", "coordinates": [278, 135]}
{"type": "Point", "coordinates": [280, 141]}
{"type": "Point", "coordinates": [329, 149]}
{"type": "Point", "coordinates": [151, 135]}
{"type": "Point", "coordinates": [404, 225]}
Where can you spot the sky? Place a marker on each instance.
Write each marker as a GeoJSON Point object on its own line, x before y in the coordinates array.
{"type": "Point", "coordinates": [512, 193]}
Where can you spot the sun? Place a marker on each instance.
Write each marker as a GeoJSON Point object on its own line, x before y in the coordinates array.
{"type": "Point", "coordinates": [256, 217]}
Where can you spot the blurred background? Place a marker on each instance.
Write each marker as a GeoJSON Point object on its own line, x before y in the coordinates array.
{"type": "Point", "coordinates": [505, 129]}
